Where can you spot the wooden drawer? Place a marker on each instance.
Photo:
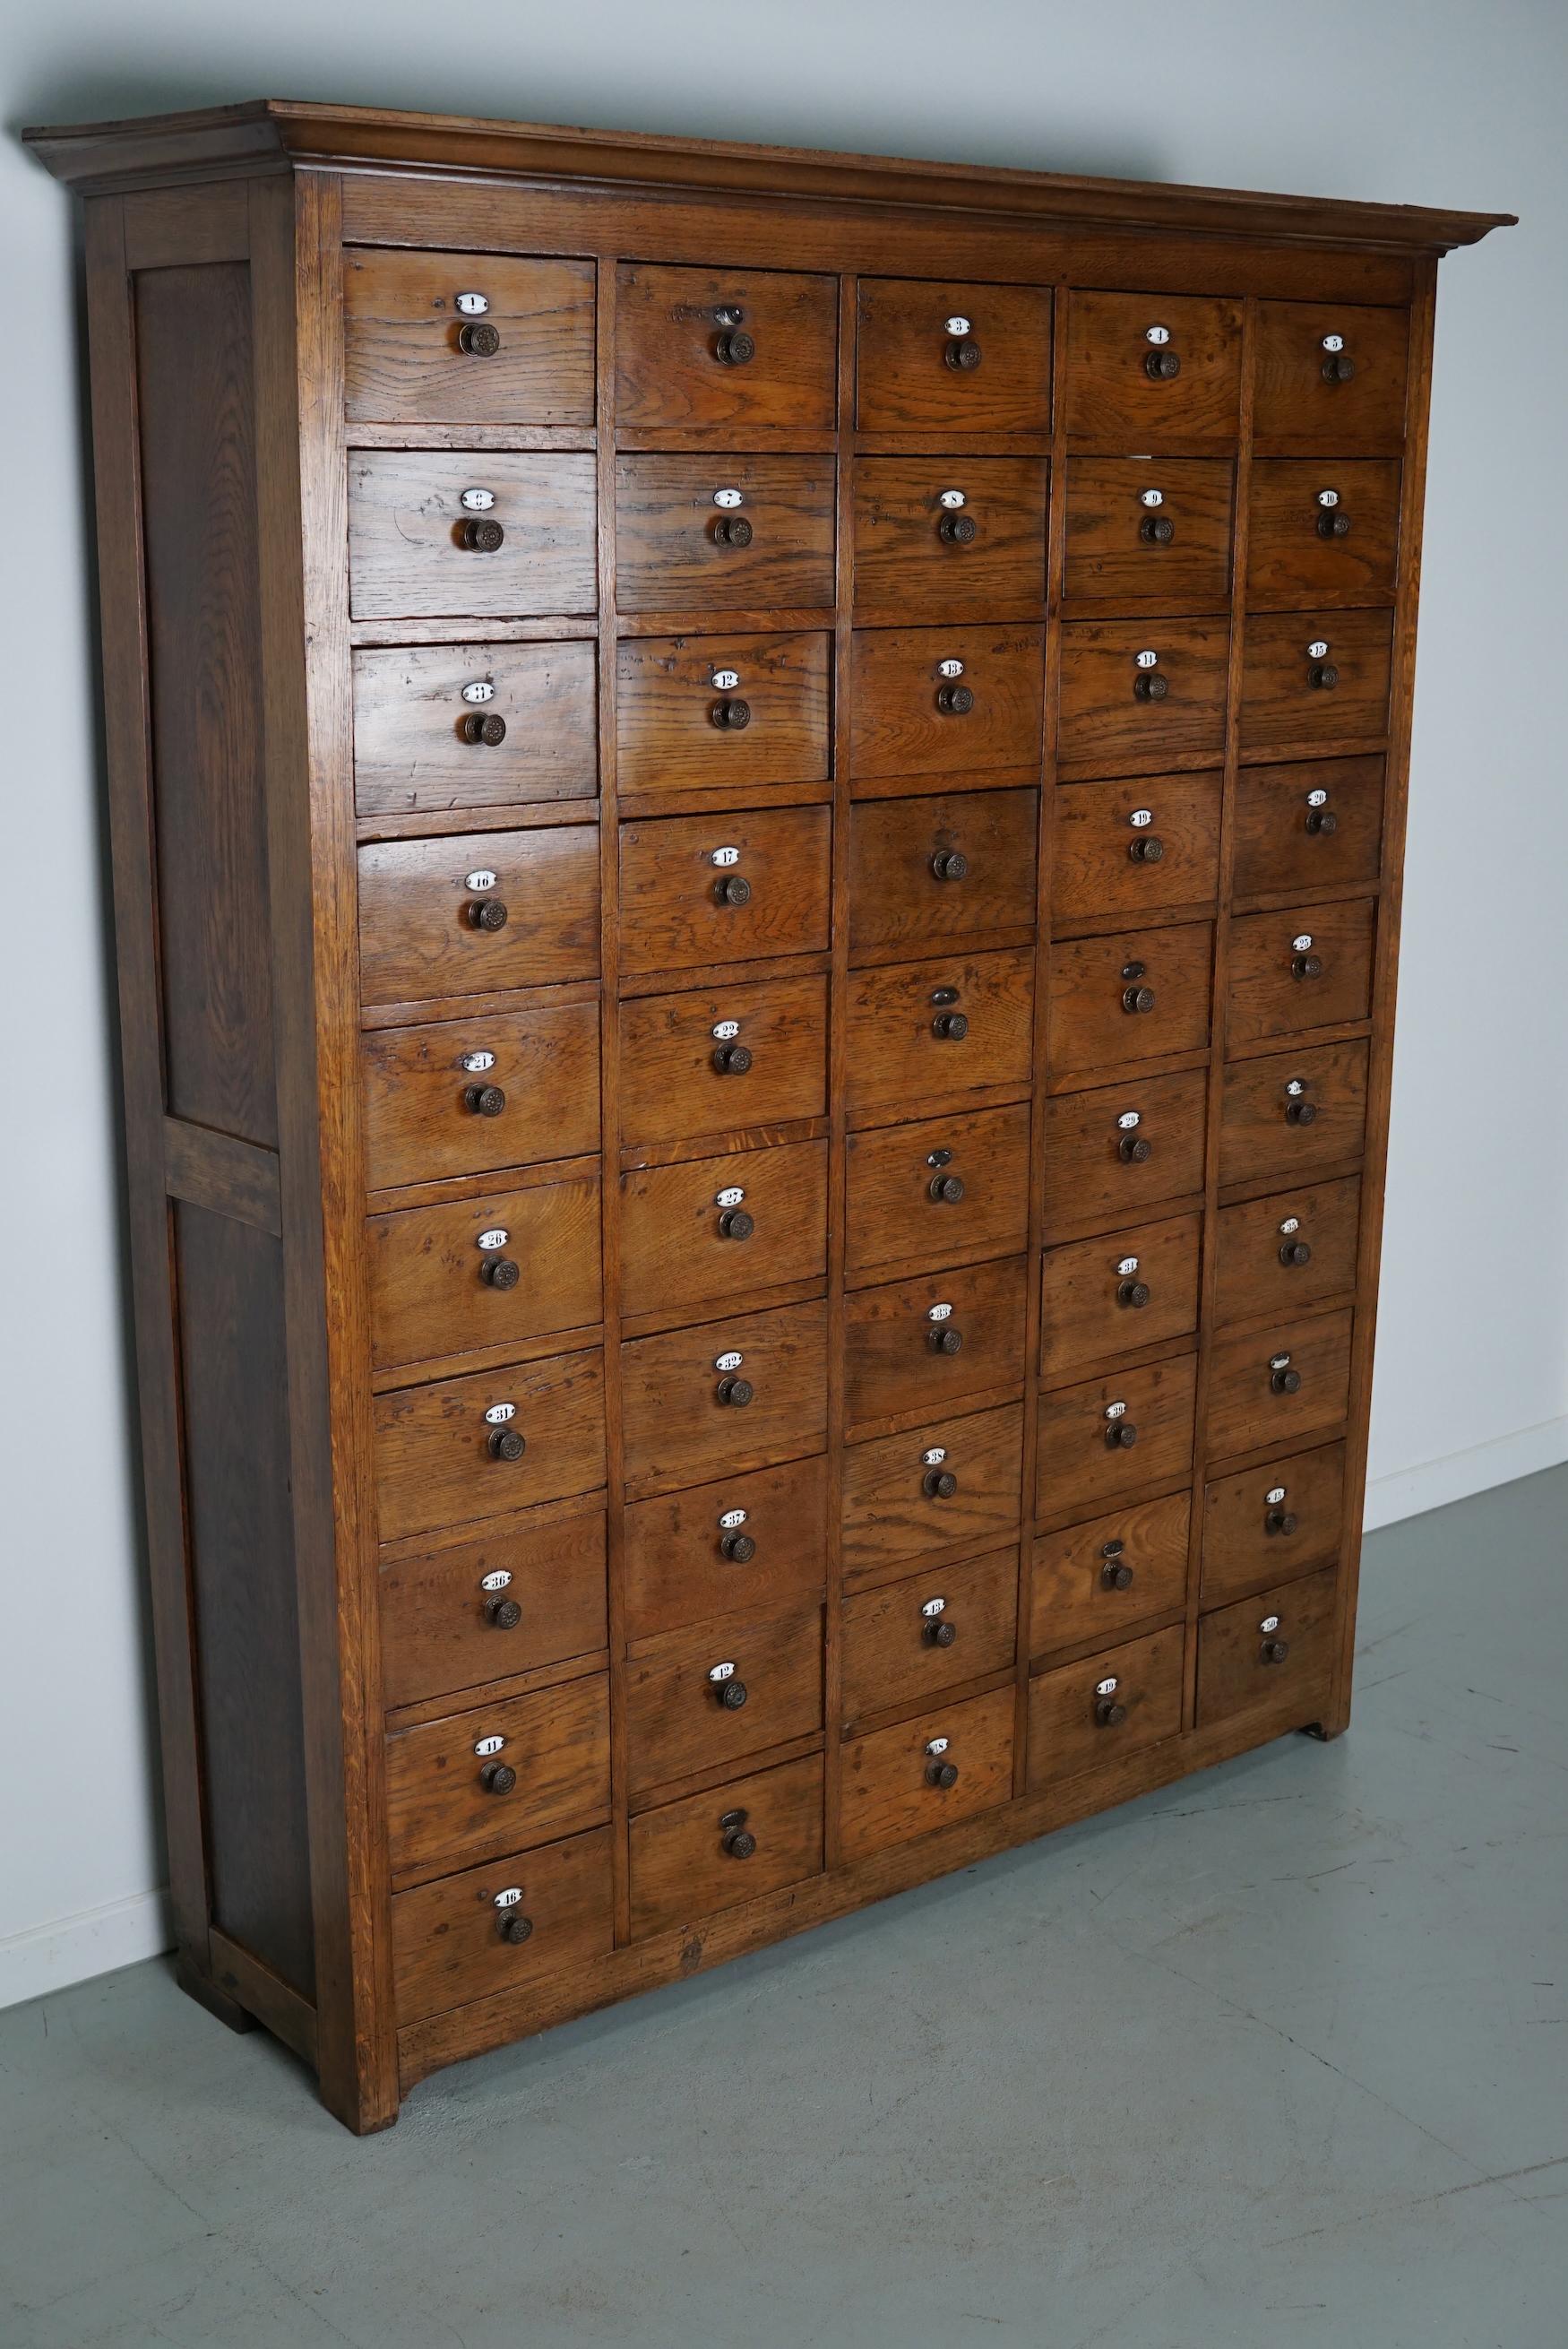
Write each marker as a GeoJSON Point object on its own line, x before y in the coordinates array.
{"type": "Point", "coordinates": [428, 1115]}
{"type": "Point", "coordinates": [411, 356]}
{"type": "Point", "coordinates": [910, 1640]}
{"type": "Point", "coordinates": [951, 1484]}
{"type": "Point", "coordinates": [480, 1609]}
{"type": "Point", "coordinates": [415, 551]}
{"type": "Point", "coordinates": [1089, 1714]}
{"type": "Point", "coordinates": [892, 1356]}
{"type": "Point", "coordinates": [891, 1791]}
{"type": "Point", "coordinates": [1078, 1465]}
{"type": "Point", "coordinates": [1314, 825]}
{"type": "Point", "coordinates": [1278, 1385]}
{"type": "Point", "coordinates": [1144, 536]}
{"type": "Point", "coordinates": [449, 1942]}
{"type": "Point", "coordinates": [681, 1720]}
{"type": "Point", "coordinates": [1358, 402]}
{"type": "Point", "coordinates": [547, 1772]}
{"type": "Point", "coordinates": [1098, 1581]}
{"type": "Point", "coordinates": [678, 548]}
{"type": "Point", "coordinates": [908, 717]}
{"type": "Point", "coordinates": [680, 1079]}
{"type": "Point", "coordinates": [435, 1290]}
{"type": "Point", "coordinates": [1275, 988]}
{"type": "Point", "coordinates": [1099, 1015]}
{"type": "Point", "coordinates": [1265, 1128]}
{"type": "Point", "coordinates": [1271, 1655]}
{"type": "Point", "coordinates": [694, 1857]}
{"type": "Point", "coordinates": [1091, 1163]}
{"type": "Point", "coordinates": [435, 1463]}
{"type": "Point", "coordinates": [1262, 1266]}
{"type": "Point", "coordinates": [920, 552]}
{"type": "Point", "coordinates": [1132, 848]}
{"type": "Point", "coordinates": [949, 1186]}
{"type": "Point", "coordinates": [989, 372]}
{"type": "Point", "coordinates": [674, 728]}
{"type": "Point", "coordinates": [1123, 713]}
{"type": "Point", "coordinates": [679, 1571]}
{"type": "Point", "coordinates": [1269, 1524]}
{"type": "Point", "coordinates": [685, 1420]}
{"type": "Point", "coordinates": [1126, 1289]}
{"type": "Point", "coordinates": [472, 913]}
{"type": "Point", "coordinates": [905, 1047]}
{"type": "Point", "coordinates": [950, 866]}
{"type": "Point", "coordinates": [1292, 693]}
{"type": "Point", "coordinates": [682, 907]}
{"type": "Point", "coordinates": [534, 727]}
{"type": "Point", "coordinates": [1322, 531]}
{"type": "Point", "coordinates": [681, 1247]}
{"type": "Point", "coordinates": [678, 362]}
{"type": "Point", "coordinates": [1117, 345]}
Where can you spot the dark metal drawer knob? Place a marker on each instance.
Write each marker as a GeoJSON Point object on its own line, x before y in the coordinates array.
{"type": "Point", "coordinates": [946, 1340]}
{"type": "Point", "coordinates": [498, 1777]}
{"type": "Point", "coordinates": [1296, 1252]}
{"type": "Point", "coordinates": [955, 701]}
{"type": "Point", "coordinates": [1338, 368]}
{"type": "Point", "coordinates": [478, 339]}
{"type": "Point", "coordinates": [1147, 687]}
{"type": "Point", "coordinates": [1333, 523]}
{"type": "Point", "coordinates": [958, 529]}
{"type": "Point", "coordinates": [1116, 1575]}
{"type": "Point", "coordinates": [1147, 849]}
{"type": "Point", "coordinates": [730, 715]}
{"type": "Point", "coordinates": [1157, 529]}
{"type": "Point", "coordinates": [1121, 1435]}
{"type": "Point", "coordinates": [1281, 1521]}
{"type": "Point", "coordinates": [1162, 366]}
{"type": "Point", "coordinates": [485, 914]}
{"type": "Point", "coordinates": [1108, 1713]}
{"type": "Point", "coordinates": [505, 1443]}
{"type": "Point", "coordinates": [499, 1272]}
{"type": "Point", "coordinates": [732, 1060]}
{"type": "Point", "coordinates": [962, 354]}
{"type": "Point", "coordinates": [1286, 1382]}
{"type": "Point", "coordinates": [729, 1694]}
{"type": "Point", "coordinates": [485, 1101]}
{"type": "Point", "coordinates": [1274, 1651]}
{"type": "Point", "coordinates": [952, 1026]}
{"type": "Point", "coordinates": [732, 530]}
{"type": "Point", "coordinates": [488, 727]}
{"type": "Point", "coordinates": [739, 1843]}
{"type": "Point", "coordinates": [733, 349]}
{"type": "Point", "coordinates": [1134, 1150]}
{"type": "Point", "coordinates": [947, 1189]}
{"type": "Point", "coordinates": [1133, 1293]}
{"type": "Point", "coordinates": [738, 1549]}
{"type": "Point", "coordinates": [1324, 675]}
{"type": "Point", "coordinates": [732, 889]}
{"type": "Point", "coordinates": [735, 1224]}
{"type": "Point", "coordinates": [941, 1631]}
{"type": "Point", "coordinates": [1300, 1112]}
{"type": "Point", "coordinates": [1321, 820]}
{"type": "Point", "coordinates": [942, 1774]}
{"type": "Point", "coordinates": [1307, 966]}
{"type": "Point", "coordinates": [736, 1392]}
{"type": "Point", "coordinates": [482, 534]}
{"type": "Point", "coordinates": [949, 864]}
{"type": "Point", "coordinates": [503, 1614]}
{"type": "Point", "coordinates": [939, 1484]}
{"type": "Point", "coordinates": [1138, 998]}
{"type": "Point", "coordinates": [515, 1928]}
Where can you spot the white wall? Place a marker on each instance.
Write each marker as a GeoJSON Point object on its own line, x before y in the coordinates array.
{"type": "Point", "coordinates": [1445, 103]}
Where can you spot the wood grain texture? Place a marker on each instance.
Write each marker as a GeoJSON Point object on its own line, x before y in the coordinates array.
{"type": "Point", "coordinates": [440, 1631]}
{"type": "Point", "coordinates": [1277, 851]}
{"type": "Point", "coordinates": [424, 923]}
{"type": "Point", "coordinates": [676, 1567]}
{"type": "Point", "coordinates": [681, 1867]}
{"type": "Point", "coordinates": [907, 886]}
{"type": "Point", "coordinates": [900, 1056]}
{"type": "Point", "coordinates": [1075, 1592]}
{"type": "Point", "coordinates": [671, 551]}
{"type": "Point", "coordinates": [906, 569]}
{"type": "Point", "coordinates": [434, 1290]}
{"type": "Point", "coordinates": [1289, 561]}
{"type": "Point", "coordinates": [1084, 1171]}
{"type": "Point", "coordinates": [668, 341]}
{"type": "Point", "coordinates": [1124, 1698]}
{"type": "Point", "coordinates": [410, 754]}
{"type": "Point", "coordinates": [1259, 1137]}
{"type": "Point", "coordinates": [421, 1124]}
{"type": "Point", "coordinates": [1093, 1023]}
{"type": "Point", "coordinates": [676, 911]}
{"type": "Point", "coordinates": [1282, 701]}
{"type": "Point", "coordinates": [672, 1084]}
{"type": "Point", "coordinates": [682, 1251]}
{"type": "Point", "coordinates": [676, 1724]}
{"type": "Point", "coordinates": [446, 1937]}
{"type": "Point", "coordinates": [888, 1797]}
{"type": "Point", "coordinates": [1078, 1468]}
{"type": "Point", "coordinates": [1090, 1292]}
{"type": "Point", "coordinates": [678, 1431]}
{"type": "Point", "coordinates": [898, 1653]}
{"type": "Point", "coordinates": [407, 554]}
{"type": "Point", "coordinates": [1252, 1244]}
{"type": "Point", "coordinates": [1247, 1411]}
{"type": "Point", "coordinates": [901, 1209]}
{"type": "Point", "coordinates": [1105, 727]}
{"type": "Point", "coordinates": [1266, 997]}
{"type": "Point", "coordinates": [950, 1488]}
{"type": "Point", "coordinates": [1105, 862]}
{"type": "Point", "coordinates": [1252, 1538]}
{"type": "Point", "coordinates": [404, 363]}
{"type": "Point", "coordinates": [665, 702]}
{"type": "Point", "coordinates": [1114, 558]}
{"type": "Point", "coordinates": [440, 1813]}
{"type": "Point", "coordinates": [1110, 395]}
{"type": "Point", "coordinates": [1237, 1669]}
{"type": "Point", "coordinates": [893, 1362]}
{"type": "Point", "coordinates": [436, 1467]}
{"type": "Point", "coordinates": [899, 727]}
{"type": "Point", "coordinates": [905, 380]}
{"type": "Point", "coordinates": [1295, 401]}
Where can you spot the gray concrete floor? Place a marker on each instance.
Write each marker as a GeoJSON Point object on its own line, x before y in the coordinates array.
{"type": "Point", "coordinates": [1279, 2056]}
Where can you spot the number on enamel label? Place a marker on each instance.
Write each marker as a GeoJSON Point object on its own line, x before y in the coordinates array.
{"type": "Point", "coordinates": [1275, 1495]}
{"type": "Point", "coordinates": [1146, 659]}
{"type": "Point", "coordinates": [489, 1745]}
{"type": "Point", "coordinates": [1333, 342]}
{"type": "Point", "coordinates": [473, 306]}
{"type": "Point", "coordinates": [496, 1237]}
{"type": "Point", "coordinates": [957, 325]}
{"type": "Point", "coordinates": [1317, 798]}
{"type": "Point", "coordinates": [1318, 648]}
{"type": "Point", "coordinates": [936, 1745]}
{"type": "Point", "coordinates": [726, 680]}
{"type": "Point", "coordinates": [724, 856]}
{"type": "Point", "coordinates": [950, 668]}
{"type": "Point", "coordinates": [476, 1063]}
{"type": "Point", "coordinates": [1152, 497]}
{"type": "Point", "coordinates": [938, 1312]}
{"type": "Point", "coordinates": [1128, 1264]}
{"type": "Point", "coordinates": [934, 1456]}
{"type": "Point", "coordinates": [1141, 818]}
{"type": "Point", "coordinates": [1295, 1086]}
{"type": "Point", "coordinates": [934, 1606]}
{"type": "Point", "coordinates": [1116, 1411]}
{"type": "Point", "coordinates": [1303, 942]}
{"type": "Point", "coordinates": [1129, 1119]}
{"type": "Point", "coordinates": [483, 878]}
{"type": "Point", "coordinates": [496, 1581]}
{"type": "Point", "coordinates": [1106, 1687]}
{"type": "Point", "coordinates": [500, 1412]}
{"type": "Point", "coordinates": [477, 501]}
{"type": "Point", "coordinates": [1269, 1623]}
{"type": "Point", "coordinates": [730, 1361]}
{"type": "Point", "coordinates": [729, 1198]}
{"type": "Point", "coordinates": [725, 1029]}
{"type": "Point", "coordinates": [510, 1897]}
{"type": "Point", "coordinates": [721, 1671]}
{"type": "Point", "coordinates": [1291, 1224]}
{"type": "Point", "coordinates": [1278, 1362]}
{"type": "Point", "coordinates": [952, 498]}
{"type": "Point", "coordinates": [1157, 335]}
{"type": "Point", "coordinates": [481, 689]}
{"type": "Point", "coordinates": [1328, 497]}
{"type": "Point", "coordinates": [729, 499]}
{"type": "Point", "coordinates": [731, 1518]}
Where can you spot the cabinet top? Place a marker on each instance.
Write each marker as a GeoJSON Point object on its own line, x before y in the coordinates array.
{"type": "Point", "coordinates": [281, 133]}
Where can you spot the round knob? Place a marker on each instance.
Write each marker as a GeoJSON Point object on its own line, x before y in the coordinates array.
{"type": "Point", "coordinates": [732, 889]}
{"type": "Point", "coordinates": [1281, 1521]}
{"type": "Point", "coordinates": [1300, 1112]}
{"type": "Point", "coordinates": [955, 701]}
{"type": "Point", "coordinates": [947, 1189]}
{"type": "Point", "coordinates": [1321, 820]}
{"type": "Point", "coordinates": [735, 1224]}
{"type": "Point", "coordinates": [503, 1614]}
{"type": "Point", "coordinates": [1296, 1252]}
{"type": "Point", "coordinates": [732, 1060]}
{"type": "Point", "coordinates": [1324, 675]}
{"type": "Point", "coordinates": [1286, 1382]}
{"type": "Point", "coordinates": [1133, 1293]}
{"type": "Point", "coordinates": [1163, 366]}
{"type": "Point", "coordinates": [730, 715]}
{"type": "Point", "coordinates": [485, 1101]}
{"type": "Point", "coordinates": [952, 1025]}
{"type": "Point", "coordinates": [958, 529]}
{"type": "Point", "coordinates": [946, 1340]}
{"type": "Point", "coordinates": [1149, 686]}
{"type": "Point", "coordinates": [499, 1272]}
{"type": "Point", "coordinates": [939, 1631]}
{"type": "Point", "coordinates": [1138, 998]}
{"type": "Point", "coordinates": [734, 349]}
{"type": "Point", "coordinates": [939, 1484]}
{"type": "Point", "coordinates": [506, 1443]}
{"type": "Point", "coordinates": [1147, 849]}
{"type": "Point", "coordinates": [485, 914]}
{"type": "Point", "coordinates": [1338, 368]}
{"type": "Point", "coordinates": [1116, 1575]}
{"type": "Point", "coordinates": [739, 1843]}
{"type": "Point", "coordinates": [1332, 523]}
{"type": "Point", "coordinates": [486, 726]}
{"type": "Point", "coordinates": [1157, 529]}
{"type": "Point", "coordinates": [481, 534]}
{"type": "Point", "coordinates": [963, 352]}
{"type": "Point", "coordinates": [1121, 1435]}
{"type": "Point", "coordinates": [731, 1694]}
{"type": "Point", "coordinates": [479, 339]}
{"type": "Point", "coordinates": [1307, 966]}
{"type": "Point", "coordinates": [732, 530]}
{"type": "Point", "coordinates": [1108, 1713]}
{"type": "Point", "coordinates": [738, 1549]}
{"type": "Point", "coordinates": [1133, 1150]}
{"type": "Point", "coordinates": [942, 1774]}
{"type": "Point", "coordinates": [515, 1927]}
{"type": "Point", "coordinates": [498, 1777]}
{"type": "Point", "coordinates": [737, 1392]}
{"type": "Point", "coordinates": [949, 864]}
{"type": "Point", "coordinates": [1274, 1651]}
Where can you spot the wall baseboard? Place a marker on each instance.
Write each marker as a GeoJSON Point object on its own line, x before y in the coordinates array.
{"type": "Point", "coordinates": [73, 1949]}
{"type": "Point", "coordinates": [1411, 1492]}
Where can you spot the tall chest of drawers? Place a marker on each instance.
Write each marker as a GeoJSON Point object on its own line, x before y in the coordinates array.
{"type": "Point", "coordinates": [757, 803]}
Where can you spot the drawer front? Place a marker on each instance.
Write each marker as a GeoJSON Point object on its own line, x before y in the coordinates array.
{"type": "Point", "coordinates": [685, 1420]}
{"type": "Point", "coordinates": [758, 1541]}
{"type": "Point", "coordinates": [413, 355]}
{"type": "Point", "coordinates": [459, 1098]}
{"type": "Point", "coordinates": [502, 1927]}
{"type": "Point", "coordinates": [679, 1078]}
{"type": "Point", "coordinates": [1085, 1717]}
{"type": "Point", "coordinates": [912, 1640]}
{"type": "Point", "coordinates": [897, 1340]}
{"type": "Point", "coordinates": [921, 1034]}
{"type": "Point", "coordinates": [472, 1611]}
{"type": "Point", "coordinates": [1287, 1250]}
{"type": "Point", "coordinates": [723, 533]}
{"type": "Point", "coordinates": [1293, 693]}
{"type": "Point", "coordinates": [473, 725]}
{"type": "Point", "coordinates": [675, 727]}
{"type": "Point", "coordinates": [546, 1774]}
{"type": "Point", "coordinates": [1098, 1581]}
{"type": "Point", "coordinates": [476, 912]}
{"type": "Point", "coordinates": [1131, 1288]}
{"type": "Point", "coordinates": [1271, 1655]}
{"type": "Point", "coordinates": [693, 1857]}
{"type": "Point", "coordinates": [1270, 1524]}
{"type": "Point", "coordinates": [1092, 1160]}
{"type": "Point", "coordinates": [1131, 848]}
{"type": "Point", "coordinates": [1308, 825]}
{"type": "Point", "coordinates": [716, 888]}
{"type": "Point", "coordinates": [679, 363]}
{"type": "Point", "coordinates": [1289, 1115]}
{"type": "Point", "coordinates": [1083, 1456]}
{"type": "Point", "coordinates": [1123, 711]}
{"type": "Point", "coordinates": [892, 1787]}
{"type": "Point", "coordinates": [437, 1464]}
{"type": "Point", "coordinates": [1329, 374]}
{"type": "Point", "coordinates": [913, 714]}
{"type": "Point", "coordinates": [435, 1290]}
{"type": "Point", "coordinates": [1147, 369]}
{"type": "Point", "coordinates": [1279, 986]}
{"type": "Point", "coordinates": [415, 550]}
{"type": "Point", "coordinates": [949, 1185]}
{"type": "Point", "coordinates": [1100, 1010]}
{"type": "Point", "coordinates": [694, 1233]}
{"type": "Point", "coordinates": [1142, 536]}
{"type": "Point", "coordinates": [681, 1719]}
{"type": "Point", "coordinates": [936, 535]}
{"type": "Point", "coordinates": [952, 358]}
{"type": "Point", "coordinates": [1321, 530]}
{"type": "Point", "coordinates": [952, 866]}
{"type": "Point", "coordinates": [953, 1484]}
{"type": "Point", "coordinates": [1278, 1385]}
